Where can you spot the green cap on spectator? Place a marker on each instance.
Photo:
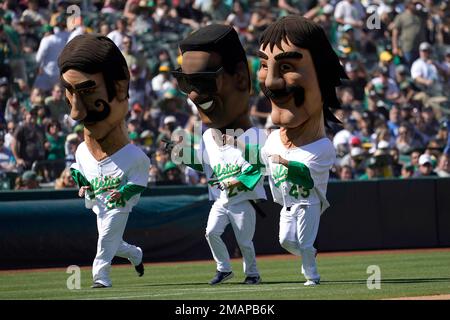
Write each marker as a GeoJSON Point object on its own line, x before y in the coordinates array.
{"type": "Point", "coordinates": [133, 135]}
{"type": "Point", "coordinates": [169, 166]}
{"type": "Point", "coordinates": [47, 28]}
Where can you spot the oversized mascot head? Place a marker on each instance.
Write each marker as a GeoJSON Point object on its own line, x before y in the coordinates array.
{"type": "Point", "coordinates": [214, 74]}
{"type": "Point", "coordinates": [95, 76]}
{"type": "Point", "coordinates": [299, 72]}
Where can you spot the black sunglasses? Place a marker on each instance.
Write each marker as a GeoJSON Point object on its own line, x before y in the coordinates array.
{"type": "Point", "coordinates": [201, 82]}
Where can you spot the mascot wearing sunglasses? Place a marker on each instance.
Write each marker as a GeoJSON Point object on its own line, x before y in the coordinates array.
{"type": "Point", "coordinates": [214, 75]}
{"type": "Point", "coordinates": [110, 172]}
{"type": "Point", "coordinates": [298, 73]}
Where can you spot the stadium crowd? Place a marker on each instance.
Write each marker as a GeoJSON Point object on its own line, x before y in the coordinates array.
{"type": "Point", "coordinates": [395, 104]}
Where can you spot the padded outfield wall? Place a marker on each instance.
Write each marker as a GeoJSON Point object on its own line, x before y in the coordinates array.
{"type": "Point", "coordinates": [52, 228]}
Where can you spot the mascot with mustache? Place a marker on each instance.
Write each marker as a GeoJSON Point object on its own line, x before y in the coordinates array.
{"type": "Point", "coordinates": [110, 172]}
{"type": "Point", "coordinates": [298, 73]}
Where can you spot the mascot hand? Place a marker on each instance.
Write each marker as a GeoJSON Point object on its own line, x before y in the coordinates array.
{"type": "Point", "coordinates": [276, 158]}
{"type": "Point", "coordinates": [114, 195]}
{"type": "Point", "coordinates": [83, 190]}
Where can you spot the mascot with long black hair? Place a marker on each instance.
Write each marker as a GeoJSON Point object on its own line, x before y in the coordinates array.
{"type": "Point", "coordinates": [298, 73]}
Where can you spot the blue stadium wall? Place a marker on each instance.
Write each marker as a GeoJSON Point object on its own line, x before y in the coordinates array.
{"type": "Point", "coordinates": [52, 228]}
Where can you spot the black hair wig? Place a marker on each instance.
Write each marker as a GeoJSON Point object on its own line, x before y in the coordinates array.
{"type": "Point", "coordinates": [306, 34]}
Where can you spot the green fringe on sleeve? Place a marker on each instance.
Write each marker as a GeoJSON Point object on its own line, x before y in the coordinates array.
{"type": "Point", "coordinates": [299, 174]}
{"type": "Point", "coordinates": [130, 190]}
{"type": "Point", "coordinates": [250, 177]}
{"type": "Point", "coordinates": [79, 179]}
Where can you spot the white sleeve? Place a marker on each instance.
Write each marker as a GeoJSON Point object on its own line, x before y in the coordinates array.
{"type": "Point", "coordinates": [43, 47]}
{"type": "Point", "coordinates": [338, 12]}
{"type": "Point", "coordinates": [320, 165]}
{"type": "Point", "coordinates": [416, 70]}
{"type": "Point", "coordinates": [139, 172]}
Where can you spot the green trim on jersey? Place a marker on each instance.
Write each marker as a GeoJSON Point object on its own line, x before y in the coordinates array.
{"type": "Point", "coordinates": [79, 179]}
{"type": "Point", "coordinates": [298, 173]}
{"type": "Point", "coordinates": [130, 190]}
{"type": "Point", "coordinates": [250, 177]}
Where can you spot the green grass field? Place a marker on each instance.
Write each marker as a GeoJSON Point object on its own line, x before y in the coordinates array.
{"type": "Point", "coordinates": [343, 277]}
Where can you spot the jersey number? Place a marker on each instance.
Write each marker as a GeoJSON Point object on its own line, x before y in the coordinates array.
{"type": "Point", "coordinates": [294, 192]}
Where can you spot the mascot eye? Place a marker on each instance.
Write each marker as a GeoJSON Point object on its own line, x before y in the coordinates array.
{"type": "Point", "coordinates": [286, 68]}
{"type": "Point", "coordinates": [87, 92]}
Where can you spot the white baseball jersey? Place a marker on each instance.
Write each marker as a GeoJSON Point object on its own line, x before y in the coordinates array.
{"type": "Point", "coordinates": [129, 165]}
{"type": "Point", "coordinates": [318, 157]}
{"type": "Point", "coordinates": [221, 162]}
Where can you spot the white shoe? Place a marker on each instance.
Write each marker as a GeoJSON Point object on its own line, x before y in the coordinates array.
{"type": "Point", "coordinates": [311, 283]}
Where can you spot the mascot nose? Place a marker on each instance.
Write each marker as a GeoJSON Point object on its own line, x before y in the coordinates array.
{"type": "Point", "coordinates": [273, 81]}
{"type": "Point", "coordinates": [77, 110]}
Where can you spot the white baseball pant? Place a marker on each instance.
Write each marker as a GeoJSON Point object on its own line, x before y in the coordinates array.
{"type": "Point", "coordinates": [111, 227]}
{"type": "Point", "coordinates": [243, 219]}
{"type": "Point", "coordinates": [298, 231]}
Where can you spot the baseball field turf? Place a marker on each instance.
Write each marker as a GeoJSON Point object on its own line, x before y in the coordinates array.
{"type": "Point", "coordinates": [344, 276]}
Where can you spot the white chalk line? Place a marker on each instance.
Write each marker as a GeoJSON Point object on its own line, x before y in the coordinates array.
{"type": "Point", "coordinates": [197, 291]}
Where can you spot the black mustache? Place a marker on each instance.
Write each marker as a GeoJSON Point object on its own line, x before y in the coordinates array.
{"type": "Point", "coordinates": [299, 93]}
{"type": "Point", "coordinates": [97, 116]}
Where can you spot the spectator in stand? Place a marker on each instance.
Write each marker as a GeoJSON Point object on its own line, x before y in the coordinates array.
{"type": "Point", "coordinates": [9, 136]}
{"type": "Point", "coordinates": [373, 170]}
{"type": "Point", "coordinates": [406, 141]}
{"type": "Point", "coordinates": [28, 143]}
{"type": "Point", "coordinates": [163, 60]}
{"type": "Point", "coordinates": [32, 16]}
{"type": "Point", "coordinates": [356, 80]}
{"type": "Point", "coordinates": [443, 169]}
{"type": "Point", "coordinates": [7, 161]}
{"type": "Point", "coordinates": [217, 10]}
{"type": "Point", "coordinates": [13, 112]}
{"type": "Point", "coordinates": [385, 87]}
{"type": "Point", "coordinates": [350, 13]}
{"type": "Point", "coordinates": [239, 19]}
{"type": "Point", "coordinates": [441, 136]}
{"type": "Point", "coordinates": [290, 7]}
{"type": "Point", "coordinates": [346, 173]}
{"type": "Point", "coordinates": [65, 180]}
{"type": "Point", "coordinates": [163, 81]}
{"type": "Point", "coordinates": [46, 57]}
{"type": "Point", "coordinates": [408, 171]}
{"type": "Point", "coordinates": [172, 174]}
{"type": "Point", "coordinates": [425, 167]}
{"type": "Point", "coordinates": [28, 180]}
{"type": "Point", "coordinates": [56, 103]}
{"type": "Point", "coordinates": [414, 158]}
{"type": "Point", "coordinates": [260, 18]}
{"type": "Point", "coordinates": [408, 32]}
{"type": "Point", "coordinates": [424, 71]}
{"type": "Point", "coordinates": [54, 145]}
{"type": "Point", "coordinates": [118, 34]}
